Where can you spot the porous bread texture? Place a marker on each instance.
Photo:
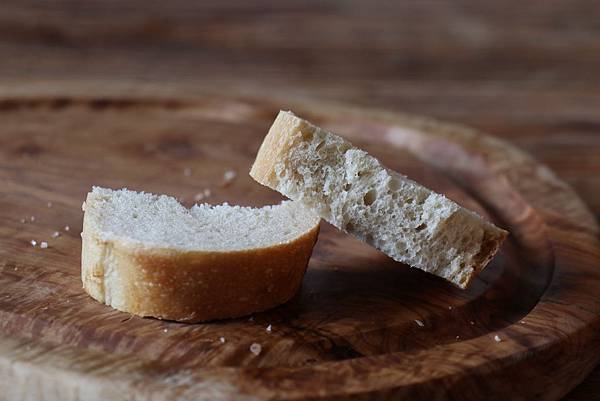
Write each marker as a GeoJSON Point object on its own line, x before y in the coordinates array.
{"type": "Point", "coordinates": [150, 256]}
{"type": "Point", "coordinates": [353, 191]}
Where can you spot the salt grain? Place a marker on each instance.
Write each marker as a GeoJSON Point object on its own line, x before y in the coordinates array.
{"type": "Point", "coordinates": [419, 323]}
{"type": "Point", "coordinates": [497, 338]}
{"type": "Point", "coordinates": [23, 221]}
{"type": "Point", "coordinates": [49, 204]}
{"type": "Point", "coordinates": [165, 330]}
{"type": "Point", "coordinates": [67, 228]}
{"type": "Point", "coordinates": [255, 348]}
{"type": "Point", "coordinates": [187, 171]}
{"type": "Point", "coordinates": [472, 322]}
{"type": "Point", "coordinates": [55, 234]}
{"type": "Point", "coordinates": [450, 308]}
{"type": "Point", "coordinates": [269, 328]}
{"type": "Point", "coordinates": [32, 219]}
{"type": "Point", "coordinates": [44, 245]}
{"type": "Point", "coordinates": [222, 340]}
{"type": "Point", "coordinates": [458, 337]}
{"type": "Point", "coordinates": [33, 243]}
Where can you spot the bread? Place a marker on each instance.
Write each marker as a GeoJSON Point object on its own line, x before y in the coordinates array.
{"type": "Point", "coordinates": [357, 194]}
{"type": "Point", "coordinates": [150, 256]}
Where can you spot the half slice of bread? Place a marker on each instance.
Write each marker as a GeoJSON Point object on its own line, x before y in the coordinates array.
{"type": "Point", "coordinates": [150, 256]}
{"type": "Point", "coordinates": [353, 191]}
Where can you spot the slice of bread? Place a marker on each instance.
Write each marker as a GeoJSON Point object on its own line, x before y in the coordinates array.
{"type": "Point", "coordinates": [353, 191]}
{"type": "Point", "coordinates": [150, 256]}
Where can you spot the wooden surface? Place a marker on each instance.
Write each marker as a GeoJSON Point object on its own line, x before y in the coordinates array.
{"type": "Point", "coordinates": [523, 71]}
{"type": "Point", "coordinates": [362, 325]}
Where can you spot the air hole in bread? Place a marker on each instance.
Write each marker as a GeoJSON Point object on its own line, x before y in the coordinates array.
{"type": "Point", "coordinates": [370, 197]}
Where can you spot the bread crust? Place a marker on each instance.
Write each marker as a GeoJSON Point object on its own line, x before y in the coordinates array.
{"type": "Point", "coordinates": [192, 286]}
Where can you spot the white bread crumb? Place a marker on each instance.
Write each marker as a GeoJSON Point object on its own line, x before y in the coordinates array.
{"type": "Point", "coordinates": [44, 245]}
{"type": "Point", "coordinates": [229, 176]}
{"type": "Point", "coordinates": [255, 348]}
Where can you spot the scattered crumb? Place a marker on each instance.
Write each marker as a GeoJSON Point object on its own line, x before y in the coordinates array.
{"type": "Point", "coordinates": [255, 348]}
{"type": "Point", "coordinates": [497, 338]}
{"type": "Point", "coordinates": [49, 204]}
{"type": "Point", "coordinates": [472, 322]}
{"type": "Point", "coordinates": [55, 234]}
{"type": "Point", "coordinates": [23, 221]}
{"type": "Point", "coordinates": [44, 245]}
{"type": "Point", "coordinates": [16, 268]}
{"type": "Point", "coordinates": [187, 172]}
{"type": "Point", "coordinates": [32, 219]}
{"type": "Point", "coordinates": [419, 323]}
{"type": "Point", "coordinates": [222, 340]}
{"type": "Point", "coordinates": [67, 228]}
{"type": "Point", "coordinates": [165, 330]}
{"type": "Point", "coordinates": [269, 328]}
{"type": "Point", "coordinates": [202, 195]}
{"type": "Point", "coordinates": [458, 337]}
{"type": "Point", "coordinates": [450, 307]}
{"type": "Point", "coordinates": [33, 243]}
{"type": "Point", "coordinates": [229, 176]}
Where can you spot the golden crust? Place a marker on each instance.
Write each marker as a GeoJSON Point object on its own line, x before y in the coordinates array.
{"type": "Point", "coordinates": [277, 143]}
{"type": "Point", "coordinates": [193, 286]}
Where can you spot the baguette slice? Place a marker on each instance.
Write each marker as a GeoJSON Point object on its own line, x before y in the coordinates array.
{"type": "Point", "coordinates": [354, 192]}
{"type": "Point", "coordinates": [150, 256]}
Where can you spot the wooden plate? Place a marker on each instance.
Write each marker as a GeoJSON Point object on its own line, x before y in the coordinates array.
{"type": "Point", "coordinates": [362, 327]}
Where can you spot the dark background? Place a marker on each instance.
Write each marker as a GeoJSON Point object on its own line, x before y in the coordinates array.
{"type": "Point", "coordinates": [525, 71]}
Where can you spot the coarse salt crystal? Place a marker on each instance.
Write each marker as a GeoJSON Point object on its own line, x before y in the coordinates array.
{"type": "Point", "coordinates": [255, 348]}
{"type": "Point", "coordinates": [165, 330]}
{"type": "Point", "coordinates": [44, 245]}
{"type": "Point", "coordinates": [472, 322]}
{"type": "Point", "coordinates": [458, 337]}
{"type": "Point", "coordinates": [67, 228]}
{"type": "Point", "coordinates": [33, 243]}
{"type": "Point", "coordinates": [222, 340]}
{"type": "Point", "coordinates": [49, 204]}
{"type": "Point", "coordinates": [497, 338]}
{"type": "Point", "coordinates": [23, 221]}
{"type": "Point", "coordinates": [269, 328]}
{"type": "Point", "coordinates": [419, 323]}
{"type": "Point", "coordinates": [32, 218]}
{"type": "Point", "coordinates": [55, 234]}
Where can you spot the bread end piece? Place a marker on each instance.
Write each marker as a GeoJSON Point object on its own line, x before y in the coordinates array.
{"type": "Point", "coordinates": [351, 190]}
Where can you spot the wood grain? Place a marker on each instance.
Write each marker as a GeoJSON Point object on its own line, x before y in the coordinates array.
{"type": "Point", "coordinates": [362, 327]}
{"type": "Point", "coordinates": [523, 71]}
